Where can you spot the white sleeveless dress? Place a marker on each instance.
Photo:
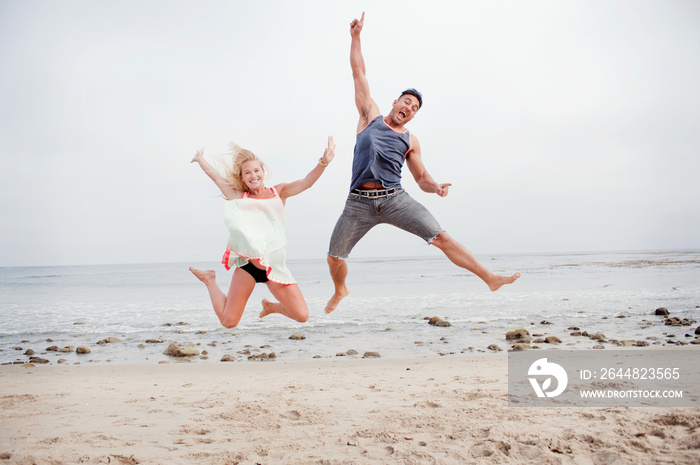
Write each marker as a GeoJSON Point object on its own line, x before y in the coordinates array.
{"type": "Point", "coordinates": [257, 232]}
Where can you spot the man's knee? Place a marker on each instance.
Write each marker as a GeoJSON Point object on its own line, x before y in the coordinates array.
{"type": "Point", "coordinates": [334, 261]}
{"type": "Point", "coordinates": [441, 240]}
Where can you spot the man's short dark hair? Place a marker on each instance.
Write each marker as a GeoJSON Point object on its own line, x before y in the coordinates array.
{"type": "Point", "coordinates": [415, 93]}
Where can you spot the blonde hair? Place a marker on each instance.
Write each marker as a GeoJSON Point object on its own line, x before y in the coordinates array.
{"type": "Point", "coordinates": [237, 155]}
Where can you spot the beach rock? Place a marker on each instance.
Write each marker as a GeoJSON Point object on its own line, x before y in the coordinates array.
{"type": "Point", "coordinates": [109, 340]}
{"type": "Point", "coordinates": [545, 322]}
{"type": "Point", "coordinates": [600, 337]}
{"type": "Point", "coordinates": [437, 321]}
{"type": "Point", "coordinates": [264, 357]}
{"type": "Point", "coordinates": [52, 348]}
{"type": "Point", "coordinates": [695, 341]}
{"type": "Point", "coordinates": [663, 311]}
{"type": "Point", "coordinates": [573, 328]}
{"type": "Point", "coordinates": [29, 352]}
{"type": "Point", "coordinates": [552, 340]}
{"type": "Point", "coordinates": [65, 349]}
{"type": "Point", "coordinates": [599, 346]}
{"type": "Point", "coordinates": [697, 330]}
{"type": "Point", "coordinates": [519, 336]}
{"type": "Point", "coordinates": [346, 353]}
{"type": "Point", "coordinates": [228, 358]}
{"type": "Point", "coordinates": [641, 344]}
{"type": "Point", "coordinates": [5, 456]}
{"type": "Point", "coordinates": [38, 360]}
{"type": "Point", "coordinates": [174, 350]}
{"type": "Point", "coordinates": [297, 337]}
{"type": "Point", "coordinates": [153, 341]}
{"type": "Point", "coordinates": [188, 351]}
{"type": "Point", "coordinates": [495, 348]}
{"type": "Point", "coordinates": [82, 350]}
{"type": "Point", "coordinates": [626, 343]}
{"type": "Point", "coordinates": [519, 347]}
{"type": "Point", "coordinates": [675, 321]}
{"type": "Point", "coordinates": [371, 355]}
{"type": "Point", "coordinates": [539, 340]}
{"type": "Point", "coordinates": [575, 333]}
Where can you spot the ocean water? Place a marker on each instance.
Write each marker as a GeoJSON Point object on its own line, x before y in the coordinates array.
{"type": "Point", "coordinates": [614, 293]}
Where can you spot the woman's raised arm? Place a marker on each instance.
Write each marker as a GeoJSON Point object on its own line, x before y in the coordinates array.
{"type": "Point", "coordinates": [297, 187]}
{"type": "Point", "coordinates": [228, 191]}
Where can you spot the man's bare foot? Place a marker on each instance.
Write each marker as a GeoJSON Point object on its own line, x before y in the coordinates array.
{"type": "Point", "coordinates": [204, 276]}
{"type": "Point", "coordinates": [335, 300]}
{"type": "Point", "coordinates": [499, 281]}
{"type": "Point", "coordinates": [268, 308]}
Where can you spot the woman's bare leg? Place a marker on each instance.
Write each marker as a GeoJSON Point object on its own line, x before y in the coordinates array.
{"type": "Point", "coordinates": [228, 308]}
{"type": "Point", "coordinates": [291, 302]}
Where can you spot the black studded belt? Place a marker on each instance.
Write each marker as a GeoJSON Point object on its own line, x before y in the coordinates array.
{"type": "Point", "coordinates": [374, 193]}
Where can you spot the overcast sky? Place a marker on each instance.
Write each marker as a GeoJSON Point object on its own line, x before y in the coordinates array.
{"type": "Point", "coordinates": [563, 125]}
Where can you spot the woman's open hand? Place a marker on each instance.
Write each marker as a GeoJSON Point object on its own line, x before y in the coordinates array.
{"type": "Point", "coordinates": [198, 156]}
{"type": "Point", "coordinates": [329, 153]}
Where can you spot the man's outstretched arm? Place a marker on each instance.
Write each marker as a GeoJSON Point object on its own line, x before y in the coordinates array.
{"type": "Point", "coordinates": [367, 108]}
{"type": "Point", "coordinates": [424, 180]}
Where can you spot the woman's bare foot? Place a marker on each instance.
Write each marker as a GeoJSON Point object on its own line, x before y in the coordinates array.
{"type": "Point", "coordinates": [335, 300]}
{"type": "Point", "coordinates": [268, 308]}
{"type": "Point", "coordinates": [496, 283]}
{"type": "Point", "coordinates": [204, 276]}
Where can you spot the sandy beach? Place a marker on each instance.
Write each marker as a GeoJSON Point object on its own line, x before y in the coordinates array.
{"type": "Point", "coordinates": [444, 410]}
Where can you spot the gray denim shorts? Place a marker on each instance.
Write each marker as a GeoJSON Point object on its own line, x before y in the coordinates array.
{"type": "Point", "coordinates": [362, 214]}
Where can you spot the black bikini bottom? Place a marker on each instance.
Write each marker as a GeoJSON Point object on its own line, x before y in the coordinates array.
{"type": "Point", "coordinates": [260, 276]}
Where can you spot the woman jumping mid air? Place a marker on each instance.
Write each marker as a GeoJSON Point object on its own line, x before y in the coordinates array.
{"type": "Point", "coordinates": [257, 246]}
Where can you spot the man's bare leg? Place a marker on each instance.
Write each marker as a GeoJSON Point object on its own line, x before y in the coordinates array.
{"type": "Point", "coordinates": [339, 271]}
{"type": "Point", "coordinates": [460, 256]}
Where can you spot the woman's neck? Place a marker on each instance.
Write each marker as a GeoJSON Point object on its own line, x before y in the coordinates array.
{"type": "Point", "coordinates": [257, 192]}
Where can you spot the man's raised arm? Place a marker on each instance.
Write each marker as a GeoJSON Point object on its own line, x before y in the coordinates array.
{"type": "Point", "coordinates": [367, 108]}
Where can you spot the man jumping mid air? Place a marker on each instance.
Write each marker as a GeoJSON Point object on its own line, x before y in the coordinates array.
{"type": "Point", "coordinates": [383, 145]}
